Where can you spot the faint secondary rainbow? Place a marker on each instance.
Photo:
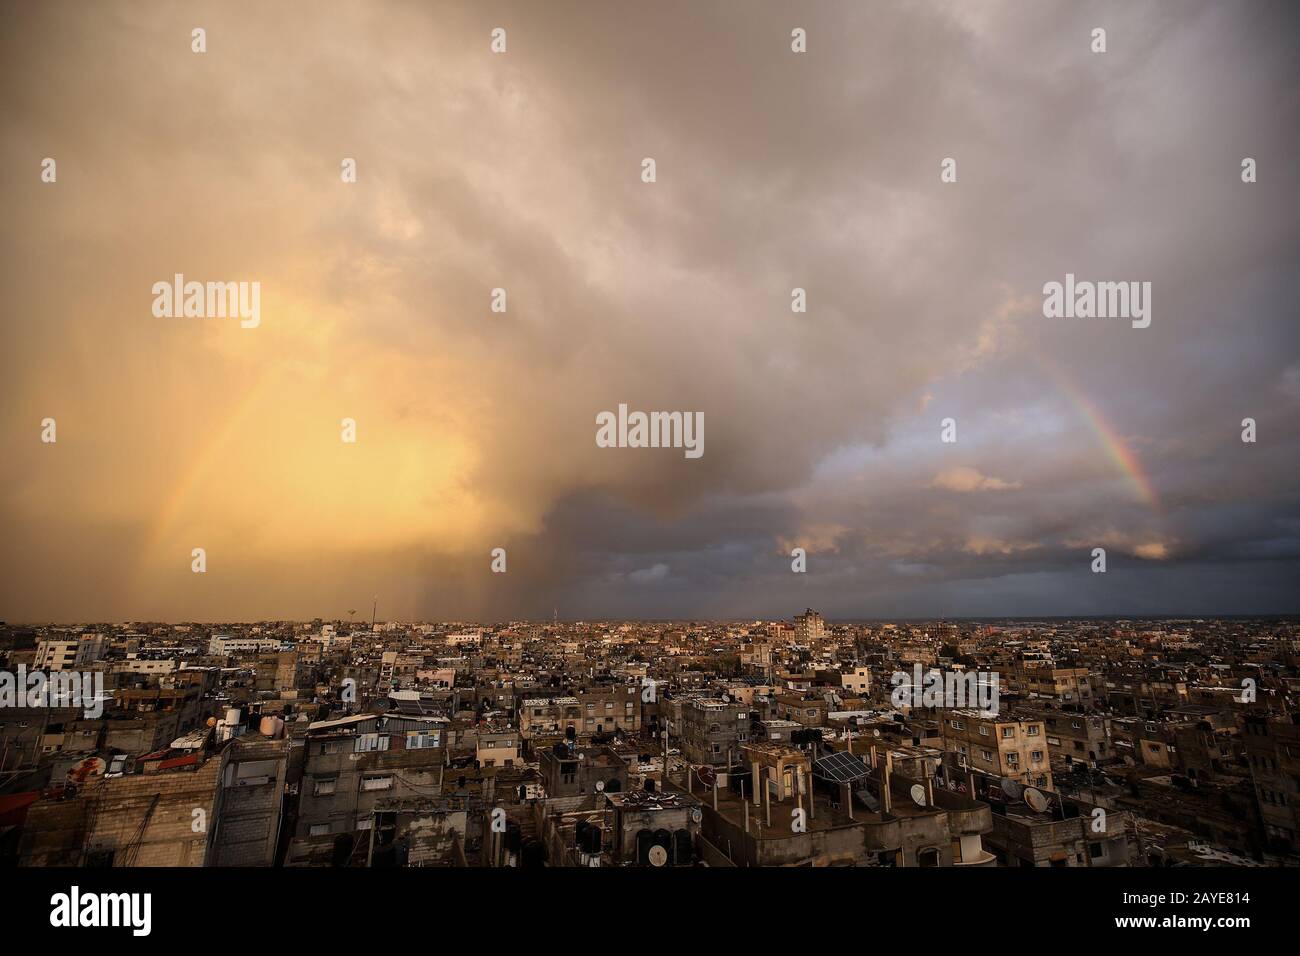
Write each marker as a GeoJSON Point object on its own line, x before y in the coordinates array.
{"type": "Point", "coordinates": [1116, 447]}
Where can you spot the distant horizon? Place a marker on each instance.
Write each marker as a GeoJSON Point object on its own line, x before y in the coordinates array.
{"type": "Point", "coordinates": [1019, 619]}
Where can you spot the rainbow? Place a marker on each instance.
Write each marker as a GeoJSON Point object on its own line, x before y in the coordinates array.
{"type": "Point", "coordinates": [1111, 440]}
{"type": "Point", "coordinates": [183, 489]}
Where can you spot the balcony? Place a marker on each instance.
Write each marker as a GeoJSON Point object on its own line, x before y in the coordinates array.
{"type": "Point", "coordinates": [982, 858]}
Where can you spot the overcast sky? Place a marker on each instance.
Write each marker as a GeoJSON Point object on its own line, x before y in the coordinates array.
{"type": "Point", "coordinates": [775, 170]}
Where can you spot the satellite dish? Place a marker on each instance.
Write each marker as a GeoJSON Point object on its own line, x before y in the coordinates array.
{"type": "Point", "coordinates": [918, 794]}
{"type": "Point", "coordinates": [1011, 788]}
{"type": "Point", "coordinates": [1035, 799]}
{"type": "Point", "coordinates": [658, 856]}
{"type": "Point", "coordinates": [600, 786]}
{"type": "Point", "coordinates": [696, 814]}
{"type": "Point", "coordinates": [876, 732]}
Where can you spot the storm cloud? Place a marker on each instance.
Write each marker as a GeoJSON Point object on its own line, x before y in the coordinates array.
{"type": "Point", "coordinates": [775, 170]}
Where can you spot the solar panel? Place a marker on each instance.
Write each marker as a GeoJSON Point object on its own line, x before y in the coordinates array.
{"type": "Point", "coordinates": [842, 767]}
{"type": "Point", "coordinates": [870, 801]}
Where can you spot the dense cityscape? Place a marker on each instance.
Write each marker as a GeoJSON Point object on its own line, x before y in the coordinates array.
{"type": "Point", "coordinates": [806, 742]}
{"type": "Point", "coordinates": [986, 309]}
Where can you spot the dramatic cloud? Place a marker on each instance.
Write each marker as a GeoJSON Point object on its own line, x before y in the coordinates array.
{"type": "Point", "coordinates": [522, 171]}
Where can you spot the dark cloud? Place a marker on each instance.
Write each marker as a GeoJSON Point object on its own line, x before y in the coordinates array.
{"type": "Point", "coordinates": [775, 170]}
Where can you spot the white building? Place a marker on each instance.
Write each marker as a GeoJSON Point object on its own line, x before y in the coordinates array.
{"type": "Point", "coordinates": [68, 654]}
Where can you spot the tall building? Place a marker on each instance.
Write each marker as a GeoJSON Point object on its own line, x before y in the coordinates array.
{"type": "Point", "coordinates": [809, 626]}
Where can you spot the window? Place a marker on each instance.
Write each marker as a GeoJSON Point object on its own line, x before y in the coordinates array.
{"type": "Point", "coordinates": [331, 747]}
{"type": "Point", "coordinates": [984, 731]}
{"type": "Point", "coordinates": [955, 724]}
{"type": "Point", "coordinates": [1008, 732]}
{"type": "Point", "coordinates": [320, 829]}
{"type": "Point", "coordinates": [377, 783]}
{"type": "Point", "coordinates": [1036, 756]}
{"type": "Point", "coordinates": [325, 787]}
{"type": "Point", "coordinates": [986, 754]}
{"type": "Point", "coordinates": [421, 740]}
{"type": "Point", "coordinates": [369, 742]}
{"type": "Point", "coordinates": [1032, 730]}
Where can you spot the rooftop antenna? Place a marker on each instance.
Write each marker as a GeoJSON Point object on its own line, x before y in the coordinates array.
{"type": "Point", "coordinates": [373, 612]}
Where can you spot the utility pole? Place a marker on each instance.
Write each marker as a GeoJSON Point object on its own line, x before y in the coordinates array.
{"type": "Point", "coordinates": [665, 781]}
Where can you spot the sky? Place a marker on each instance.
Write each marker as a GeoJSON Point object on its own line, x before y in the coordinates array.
{"type": "Point", "coordinates": [523, 170]}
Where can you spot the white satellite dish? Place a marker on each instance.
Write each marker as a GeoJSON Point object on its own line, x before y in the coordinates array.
{"type": "Point", "coordinates": [1035, 799]}
{"type": "Point", "coordinates": [1011, 788]}
{"type": "Point", "coordinates": [876, 731]}
{"type": "Point", "coordinates": [697, 814]}
{"type": "Point", "coordinates": [600, 786]}
{"type": "Point", "coordinates": [658, 856]}
{"type": "Point", "coordinates": [918, 794]}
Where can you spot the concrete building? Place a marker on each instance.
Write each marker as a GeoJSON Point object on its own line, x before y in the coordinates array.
{"type": "Point", "coordinates": [1003, 746]}
{"type": "Point", "coordinates": [353, 765]}
{"type": "Point", "coordinates": [224, 645]}
{"type": "Point", "coordinates": [857, 681]}
{"type": "Point", "coordinates": [809, 627]}
{"type": "Point", "coordinates": [712, 730]}
{"type": "Point", "coordinates": [165, 817]}
{"type": "Point", "coordinates": [252, 802]}
{"type": "Point", "coordinates": [69, 653]}
{"type": "Point", "coordinates": [1273, 753]}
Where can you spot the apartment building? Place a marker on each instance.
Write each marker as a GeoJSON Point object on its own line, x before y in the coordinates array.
{"type": "Point", "coordinates": [224, 645]}
{"type": "Point", "coordinates": [354, 767]}
{"type": "Point", "coordinates": [69, 653]}
{"type": "Point", "coordinates": [1005, 747]}
{"type": "Point", "coordinates": [809, 627]}
{"type": "Point", "coordinates": [1060, 685]}
{"type": "Point", "coordinates": [1273, 753]}
{"type": "Point", "coordinates": [712, 729]}
{"type": "Point", "coordinates": [857, 681]}
{"type": "Point", "coordinates": [587, 712]}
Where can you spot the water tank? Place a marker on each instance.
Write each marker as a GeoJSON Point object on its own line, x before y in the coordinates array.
{"type": "Point", "coordinates": [272, 727]}
{"type": "Point", "coordinates": [232, 716]}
